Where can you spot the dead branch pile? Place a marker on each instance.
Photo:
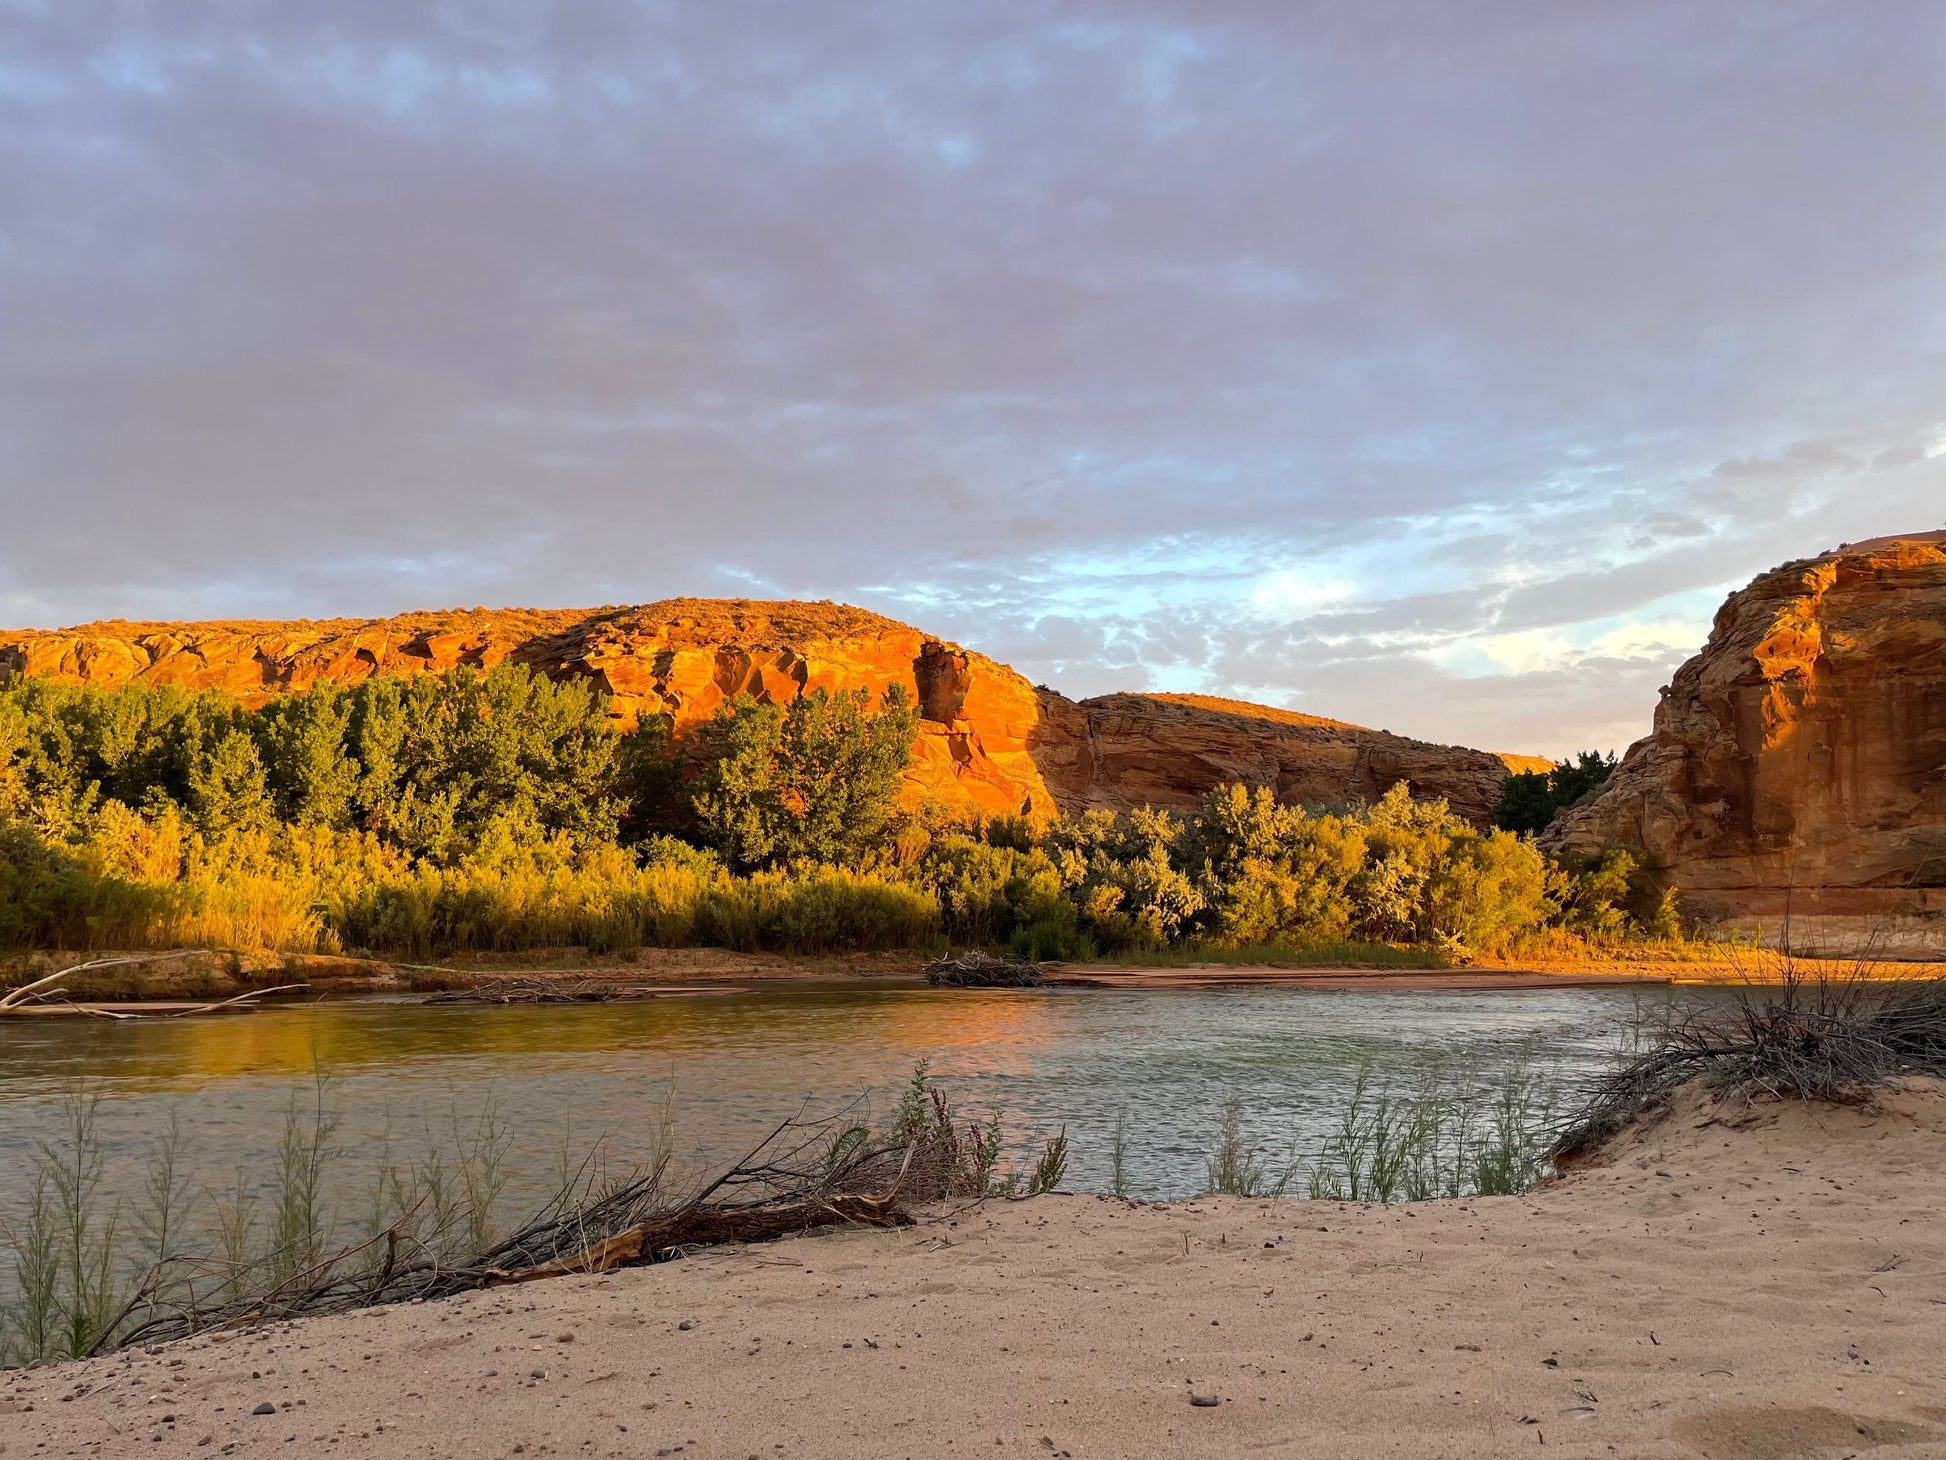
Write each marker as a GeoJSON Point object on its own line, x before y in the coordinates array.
{"type": "Point", "coordinates": [977, 970]}
{"type": "Point", "coordinates": [1810, 1038]}
{"type": "Point", "coordinates": [804, 1175]}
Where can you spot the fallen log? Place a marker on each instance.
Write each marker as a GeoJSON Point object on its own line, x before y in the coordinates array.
{"type": "Point", "coordinates": [30, 992]}
{"type": "Point", "coordinates": [709, 1226]}
{"type": "Point", "coordinates": [541, 991]}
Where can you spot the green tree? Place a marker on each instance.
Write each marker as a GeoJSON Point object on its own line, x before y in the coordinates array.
{"type": "Point", "coordinates": [227, 788]}
{"type": "Point", "coordinates": [816, 780]}
{"type": "Point", "coordinates": [1530, 800]}
{"type": "Point", "coordinates": [307, 760]}
{"type": "Point", "coordinates": [447, 760]}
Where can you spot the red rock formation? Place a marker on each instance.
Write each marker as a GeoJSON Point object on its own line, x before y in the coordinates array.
{"type": "Point", "coordinates": [988, 739]}
{"type": "Point", "coordinates": [1170, 749]}
{"type": "Point", "coordinates": [1798, 763]}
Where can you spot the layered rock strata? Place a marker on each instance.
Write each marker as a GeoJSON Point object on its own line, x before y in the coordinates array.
{"type": "Point", "coordinates": [1796, 771]}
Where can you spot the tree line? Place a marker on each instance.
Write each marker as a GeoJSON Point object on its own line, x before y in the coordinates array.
{"type": "Point", "coordinates": [502, 809]}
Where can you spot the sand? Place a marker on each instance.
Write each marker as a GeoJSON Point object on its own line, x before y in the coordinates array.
{"type": "Point", "coordinates": [1755, 1292]}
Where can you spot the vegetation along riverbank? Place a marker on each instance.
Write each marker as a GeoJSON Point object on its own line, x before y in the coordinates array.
{"type": "Point", "coordinates": [500, 812]}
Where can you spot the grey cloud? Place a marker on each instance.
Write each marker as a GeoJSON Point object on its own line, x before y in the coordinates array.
{"type": "Point", "coordinates": [351, 307]}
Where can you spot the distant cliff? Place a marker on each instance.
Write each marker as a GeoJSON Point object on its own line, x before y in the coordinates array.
{"type": "Point", "coordinates": [988, 739]}
{"type": "Point", "coordinates": [1798, 763]}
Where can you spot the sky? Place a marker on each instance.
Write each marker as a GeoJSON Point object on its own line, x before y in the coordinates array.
{"type": "Point", "coordinates": [1437, 366]}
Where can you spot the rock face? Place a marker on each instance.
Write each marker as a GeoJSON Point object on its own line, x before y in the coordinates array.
{"type": "Point", "coordinates": [988, 739]}
{"type": "Point", "coordinates": [1169, 749]}
{"type": "Point", "coordinates": [1798, 763]}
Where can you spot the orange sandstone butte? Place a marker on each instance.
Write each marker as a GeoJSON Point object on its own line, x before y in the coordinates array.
{"type": "Point", "coordinates": [1797, 766]}
{"type": "Point", "coordinates": [988, 739]}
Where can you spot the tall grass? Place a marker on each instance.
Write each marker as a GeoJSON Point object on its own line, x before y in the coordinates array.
{"type": "Point", "coordinates": [85, 1268]}
{"type": "Point", "coordinates": [65, 1246]}
{"type": "Point", "coordinates": [303, 1235]}
{"type": "Point", "coordinates": [1441, 1140]}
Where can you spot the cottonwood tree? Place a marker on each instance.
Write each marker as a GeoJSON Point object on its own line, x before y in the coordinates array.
{"type": "Point", "coordinates": [816, 780]}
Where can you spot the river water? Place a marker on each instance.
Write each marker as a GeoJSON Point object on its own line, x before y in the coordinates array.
{"type": "Point", "coordinates": [726, 1067]}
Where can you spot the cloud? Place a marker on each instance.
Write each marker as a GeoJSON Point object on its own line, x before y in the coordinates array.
{"type": "Point", "coordinates": [1379, 359]}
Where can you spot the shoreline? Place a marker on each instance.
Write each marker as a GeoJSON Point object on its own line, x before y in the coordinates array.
{"type": "Point", "coordinates": [172, 988]}
{"type": "Point", "coordinates": [1735, 1282]}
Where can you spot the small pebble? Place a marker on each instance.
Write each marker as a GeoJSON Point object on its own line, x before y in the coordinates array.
{"type": "Point", "coordinates": [685, 1325]}
{"type": "Point", "coordinates": [1204, 1401]}
{"type": "Point", "coordinates": [265, 1408]}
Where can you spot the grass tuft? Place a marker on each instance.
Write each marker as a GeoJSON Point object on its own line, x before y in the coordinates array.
{"type": "Point", "coordinates": [1441, 1140]}
{"type": "Point", "coordinates": [1812, 1035]}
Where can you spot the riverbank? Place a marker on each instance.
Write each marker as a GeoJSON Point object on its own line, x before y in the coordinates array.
{"type": "Point", "coordinates": [1756, 1283]}
{"type": "Point", "coordinates": [216, 975]}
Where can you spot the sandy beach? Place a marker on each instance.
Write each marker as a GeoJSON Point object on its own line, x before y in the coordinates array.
{"type": "Point", "coordinates": [1741, 1285]}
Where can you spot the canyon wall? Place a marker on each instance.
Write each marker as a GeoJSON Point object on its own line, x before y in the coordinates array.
{"type": "Point", "coordinates": [1169, 749]}
{"type": "Point", "coordinates": [1797, 765]}
{"type": "Point", "coordinates": [988, 740]}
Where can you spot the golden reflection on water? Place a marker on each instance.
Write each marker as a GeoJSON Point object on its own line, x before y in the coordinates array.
{"type": "Point", "coordinates": [999, 1032]}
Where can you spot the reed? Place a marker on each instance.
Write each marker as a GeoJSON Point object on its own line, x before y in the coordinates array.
{"type": "Point", "coordinates": [274, 1246]}
{"type": "Point", "coordinates": [1235, 1167]}
{"type": "Point", "coordinates": [65, 1246]}
{"type": "Point", "coordinates": [1118, 1156]}
{"type": "Point", "coordinates": [1444, 1138]}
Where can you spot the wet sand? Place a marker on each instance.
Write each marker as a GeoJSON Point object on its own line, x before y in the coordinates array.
{"type": "Point", "coordinates": [1770, 1288]}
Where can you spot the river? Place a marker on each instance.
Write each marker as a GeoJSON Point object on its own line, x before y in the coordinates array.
{"type": "Point", "coordinates": [727, 1066]}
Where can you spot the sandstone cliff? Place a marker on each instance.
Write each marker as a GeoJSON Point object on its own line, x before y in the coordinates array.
{"type": "Point", "coordinates": [989, 740]}
{"type": "Point", "coordinates": [1798, 763]}
{"type": "Point", "coordinates": [1169, 749]}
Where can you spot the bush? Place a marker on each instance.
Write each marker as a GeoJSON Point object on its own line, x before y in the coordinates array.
{"type": "Point", "coordinates": [1807, 1037]}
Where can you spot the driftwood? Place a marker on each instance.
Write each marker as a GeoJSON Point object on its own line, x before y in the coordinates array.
{"type": "Point", "coordinates": [709, 1226]}
{"type": "Point", "coordinates": [29, 992]}
{"type": "Point", "coordinates": [802, 1176]}
{"type": "Point", "coordinates": [41, 992]}
{"type": "Point", "coordinates": [977, 970]}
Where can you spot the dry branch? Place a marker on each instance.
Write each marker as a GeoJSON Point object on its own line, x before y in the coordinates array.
{"type": "Point", "coordinates": [1819, 1037]}
{"type": "Point", "coordinates": [803, 1175]}
{"type": "Point", "coordinates": [17, 997]}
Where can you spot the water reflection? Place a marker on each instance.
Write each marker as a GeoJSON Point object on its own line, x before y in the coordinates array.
{"type": "Point", "coordinates": [738, 1063]}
